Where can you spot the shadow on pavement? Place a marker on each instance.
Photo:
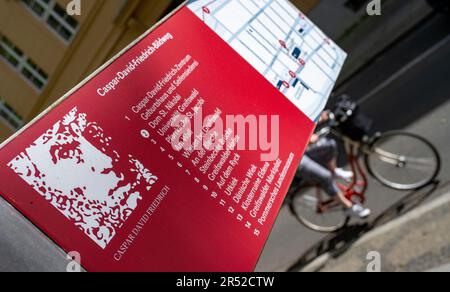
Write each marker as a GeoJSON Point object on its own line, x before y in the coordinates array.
{"type": "Point", "coordinates": [338, 243]}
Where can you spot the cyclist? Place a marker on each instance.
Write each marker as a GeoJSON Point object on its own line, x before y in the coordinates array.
{"type": "Point", "coordinates": [319, 167]}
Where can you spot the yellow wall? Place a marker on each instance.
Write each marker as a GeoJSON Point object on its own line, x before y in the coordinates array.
{"type": "Point", "coordinates": [110, 27]}
{"type": "Point", "coordinates": [39, 43]}
{"type": "Point", "coordinates": [105, 27]}
{"type": "Point", "coordinates": [31, 35]}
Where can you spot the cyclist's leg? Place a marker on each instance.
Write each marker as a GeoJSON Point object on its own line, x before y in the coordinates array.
{"type": "Point", "coordinates": [314, 173]}
{"type": "Point", "coordinates": [324, 152]}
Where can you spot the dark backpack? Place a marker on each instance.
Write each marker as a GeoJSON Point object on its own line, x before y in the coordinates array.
{"type": "Point", "coordinates": [352, 122]}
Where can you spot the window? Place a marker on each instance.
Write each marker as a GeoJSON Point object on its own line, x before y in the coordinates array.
{"type": "Point", "coordinates": [55, 16]}
{"type": "Point", "coordinates": [9, 116]}
{"type": "Point", "coordinates": [11, 53]}
{"type": "Point", "coordinates": [17, 59]}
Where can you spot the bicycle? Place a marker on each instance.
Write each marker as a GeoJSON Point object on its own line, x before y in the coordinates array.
{"type": "Point", "coordinates": [397, 159]}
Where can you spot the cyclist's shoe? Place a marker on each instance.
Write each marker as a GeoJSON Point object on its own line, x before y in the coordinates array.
{"type": "Point", "coordinates": [346, 175]}
{"type": "Point", "coordinates": [359, 211]}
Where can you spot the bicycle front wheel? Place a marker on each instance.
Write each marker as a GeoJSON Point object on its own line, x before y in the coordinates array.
{"type": "Point", "coordinates": [318, 215]}
{"type": "Point", "coordinates": [403, 161]}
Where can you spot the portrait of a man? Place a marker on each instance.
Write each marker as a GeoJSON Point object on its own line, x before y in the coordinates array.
{"type": "Point", "coordinates": [75, 168]}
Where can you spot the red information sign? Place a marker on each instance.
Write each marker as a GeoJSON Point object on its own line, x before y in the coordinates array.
{"type": "Point", "coordinates": [138, 169]}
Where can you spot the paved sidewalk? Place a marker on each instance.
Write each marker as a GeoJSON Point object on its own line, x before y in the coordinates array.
{"type": "Point", "coordinates": [24, 248]}
{"type": "Point", "coordinates": [443, 269]}
{"type": "Point", "coordinates": [417, 242]}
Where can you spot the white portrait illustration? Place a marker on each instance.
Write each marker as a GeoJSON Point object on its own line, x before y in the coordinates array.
{"type": "Point", "coordinates": [75, 168]}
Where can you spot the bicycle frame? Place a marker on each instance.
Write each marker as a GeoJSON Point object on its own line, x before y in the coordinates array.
{"type": "Point", "coordinates": [354, 191]}
{"type": "Point", "coordinates": [360, 180]}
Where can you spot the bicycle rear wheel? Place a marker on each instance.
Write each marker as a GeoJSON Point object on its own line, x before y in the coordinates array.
{"type": "Point", "coordinates": [313, 213]}
{"type": "Point", "coordinates": [403, 161]}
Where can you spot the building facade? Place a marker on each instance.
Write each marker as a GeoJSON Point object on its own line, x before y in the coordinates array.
{"type": "Point", "coordinates": [44, 52]}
